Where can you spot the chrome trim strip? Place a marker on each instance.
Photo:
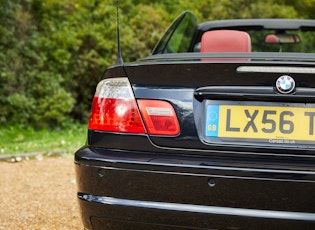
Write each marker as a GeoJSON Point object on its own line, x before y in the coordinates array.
{"type": "Point", "coordinates": [275, 69]}
{"type": "Point", "coordinates": [271, 214]}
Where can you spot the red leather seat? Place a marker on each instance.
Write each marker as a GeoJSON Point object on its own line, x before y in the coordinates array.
{"type": "Point", "coordinates": [225, 41]}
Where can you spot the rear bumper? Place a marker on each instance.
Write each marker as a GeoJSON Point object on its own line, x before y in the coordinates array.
{"type": "Point", "coordinates": [127, 190]}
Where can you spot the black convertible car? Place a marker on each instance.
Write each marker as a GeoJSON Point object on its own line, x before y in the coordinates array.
{"type": "Point", "coordinates": [214, 130]}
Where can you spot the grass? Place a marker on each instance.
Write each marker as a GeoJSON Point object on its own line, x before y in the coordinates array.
{"type": "Point", "coordinates": [16, 140]}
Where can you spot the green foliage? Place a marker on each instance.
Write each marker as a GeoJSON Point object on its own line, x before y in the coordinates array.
{"type": "Point", "coordinates": [224, 9]}
{"type": "Point", "coordinates": [53, 52]}
{"type": "Point", "coordinates": [17, 139]}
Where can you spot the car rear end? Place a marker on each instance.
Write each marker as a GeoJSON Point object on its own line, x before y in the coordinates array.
{"type": "Point", "coordinates": [186, 144]}
{"type": "Point", "coordinates": [201, 137]}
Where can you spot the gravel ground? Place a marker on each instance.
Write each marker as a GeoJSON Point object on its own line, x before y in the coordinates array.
{"type": "Point", "coordinates": [39, 194]}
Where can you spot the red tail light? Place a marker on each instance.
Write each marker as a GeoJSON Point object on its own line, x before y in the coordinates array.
{"type": "Point", "coordinates": [159, 117]}
{"type": "Point", "coordinates": [114, 109]}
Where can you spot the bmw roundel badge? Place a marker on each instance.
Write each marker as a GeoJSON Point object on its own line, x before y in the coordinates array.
{"type": "Point", "coordinates": [285, 84]}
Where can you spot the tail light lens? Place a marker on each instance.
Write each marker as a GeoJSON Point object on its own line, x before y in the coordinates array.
{"type": "Point", "coordinates": [115, 109]}
{"type": "Point", "coordinates": [159, 117]}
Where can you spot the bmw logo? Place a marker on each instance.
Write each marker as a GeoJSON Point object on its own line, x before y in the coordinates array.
{"type": "Point", "coordinates": [285, 84]}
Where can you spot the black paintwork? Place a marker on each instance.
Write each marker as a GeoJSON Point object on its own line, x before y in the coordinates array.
{"type": "Point", "coordinates": [166, 177]}
{"type": "Point", "coordinates": [245, 24]}
{"type": "Point", "coordinates": [190, 170]}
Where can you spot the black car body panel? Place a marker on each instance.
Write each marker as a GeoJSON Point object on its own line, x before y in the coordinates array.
{"type": "Point", "coordinates": [247, 178]}
{"type": "Point", "coordinates": [155, 188]}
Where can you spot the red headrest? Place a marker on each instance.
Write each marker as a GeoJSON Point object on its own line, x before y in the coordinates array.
{"type": "Point", "coordinates": [225, 41]}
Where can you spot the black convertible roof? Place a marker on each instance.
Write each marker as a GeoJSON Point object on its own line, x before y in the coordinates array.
{"type": "Point", "coordinates": [247, 24]}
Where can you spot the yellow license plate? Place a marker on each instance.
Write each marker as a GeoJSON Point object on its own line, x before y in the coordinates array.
{"type": "Point", "coordinates": [261, 122]}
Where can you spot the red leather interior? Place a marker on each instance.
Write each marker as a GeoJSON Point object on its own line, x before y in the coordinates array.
{"type": "Point", "coordinates": [225, 41]}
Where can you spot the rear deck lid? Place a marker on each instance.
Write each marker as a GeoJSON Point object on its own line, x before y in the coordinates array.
{"type": "Point", "coordinates": [232, 105]}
